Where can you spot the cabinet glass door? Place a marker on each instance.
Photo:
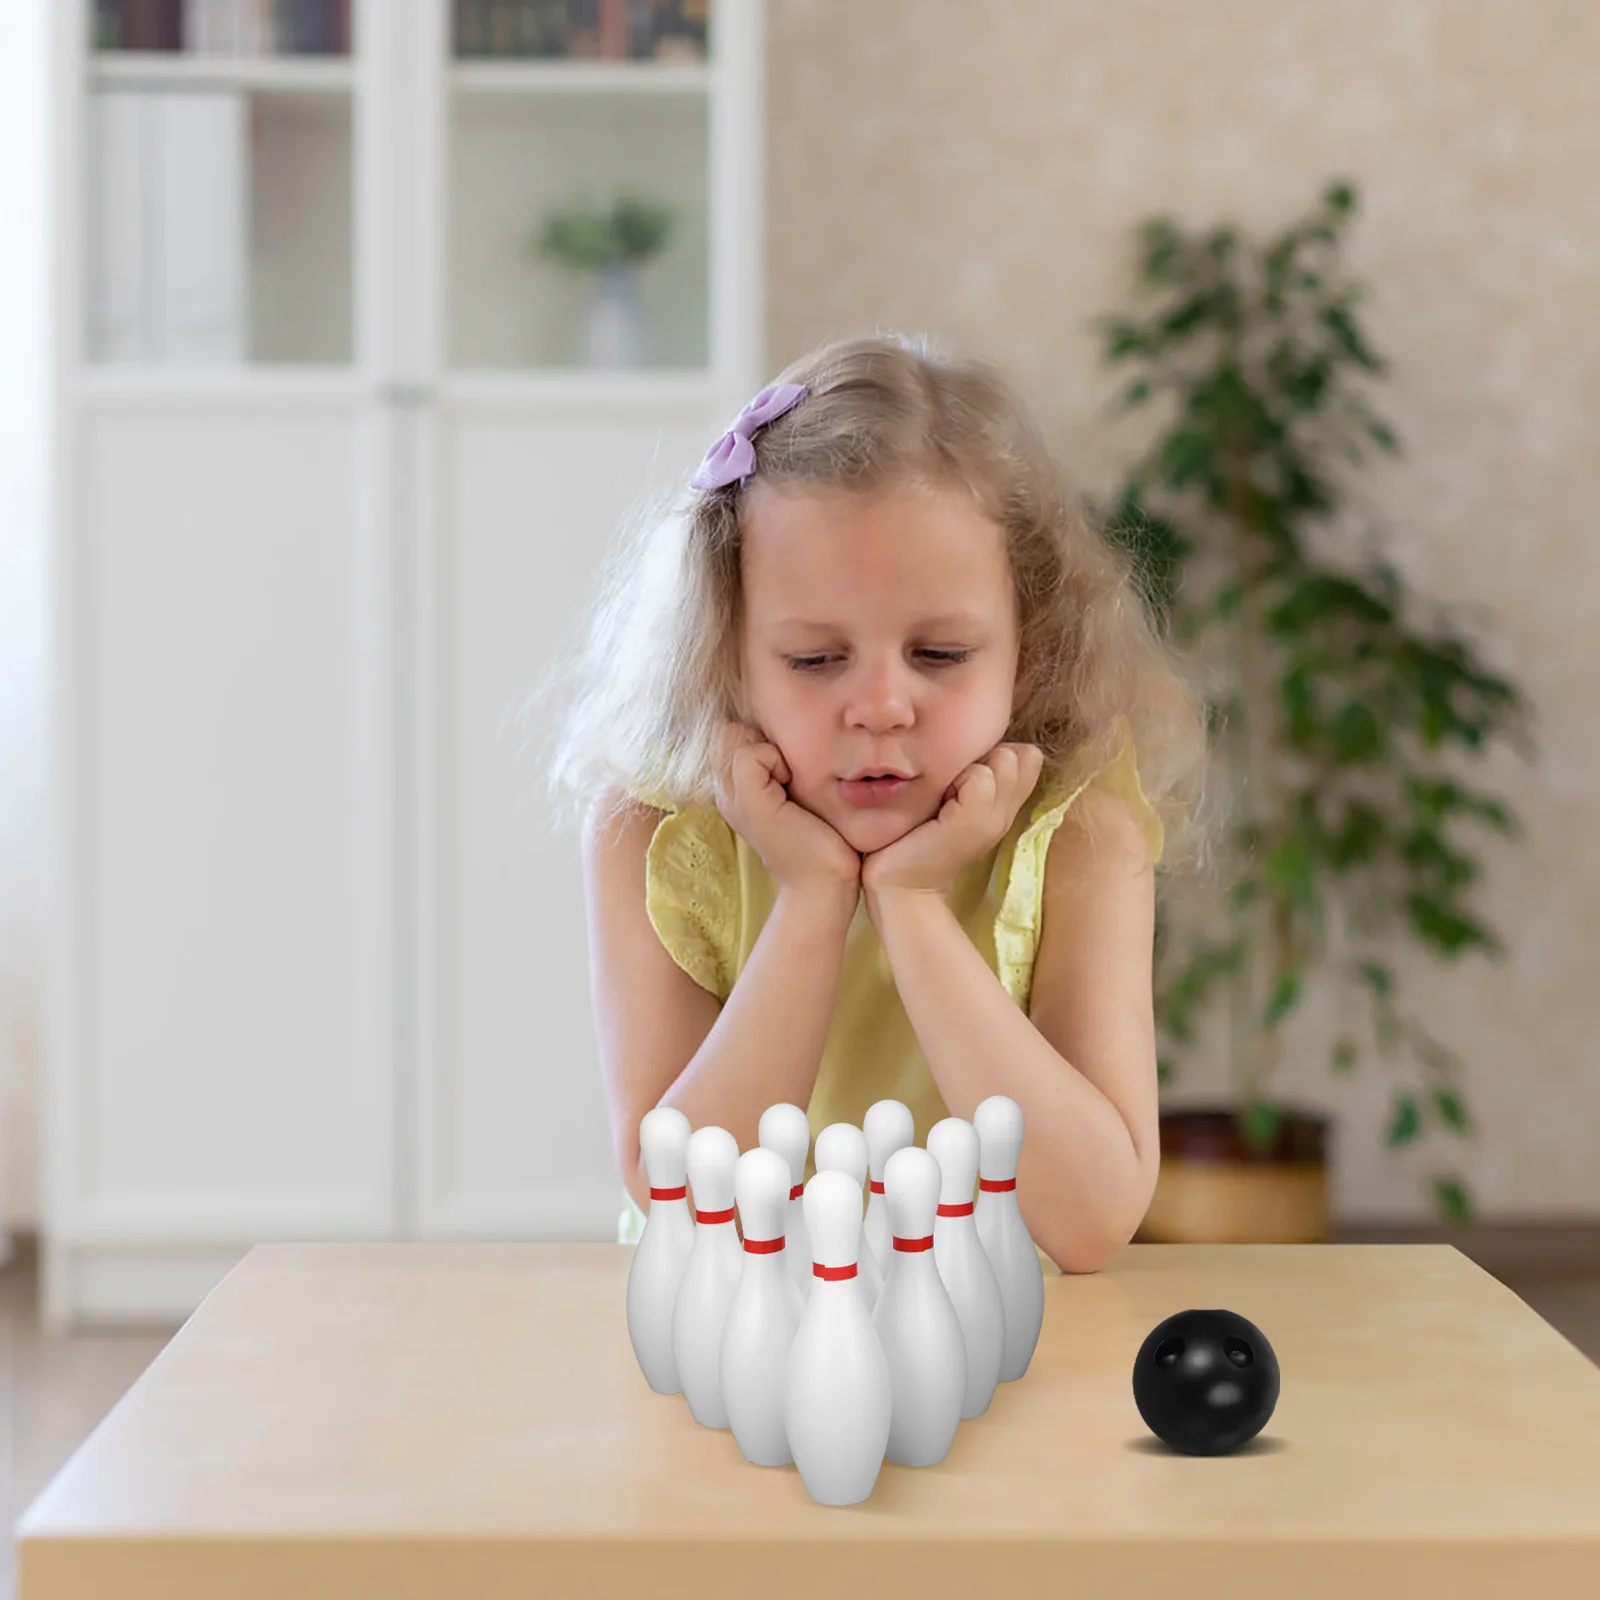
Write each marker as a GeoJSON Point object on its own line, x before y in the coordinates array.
{"type": "Point", "coordinates": [219, 182]}
{"type": "Point", "coordinates": [576, 214]}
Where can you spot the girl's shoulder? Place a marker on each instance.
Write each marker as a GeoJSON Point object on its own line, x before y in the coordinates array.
{"type": "Point", "coordinates": [1020, 916]}
{"type": "Point", "coordinates": [1119, 778]}
{"type": "Point", "coordinates": [1064, 791]}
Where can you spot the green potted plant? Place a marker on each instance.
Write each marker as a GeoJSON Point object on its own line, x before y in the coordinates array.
{"type": "Point", "coordinates": [1339, 712]}
{"type": "Point", "coordinates": [610, 246]}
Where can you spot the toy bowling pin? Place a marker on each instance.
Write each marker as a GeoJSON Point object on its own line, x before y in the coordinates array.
{"type": "Point", "coordinates": [766, 1310]}
{"type": "Point", "coordinates": [836, 1396]}
{"type": "Point", "coordinates": [974, 1289]}
{"type": "Point", "coordinates": [663, 1247]}
{"type": "Point", "coordinates": [784, 1128]}
{"type": "Point", "coordinates": [842, 1147]}
{"type": "Point", "coordinates": [710, 1276]}
{"type": "Point", "coordinates": [888, 1127]}
{"type": "Point", "coordinates": [916, 1322]}
{"type": "Point", "coordinates": [1004, 1235]}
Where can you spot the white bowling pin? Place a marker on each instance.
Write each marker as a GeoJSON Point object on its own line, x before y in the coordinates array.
{"type": "Point", "coordinates": [1004, 1235]}
{"type": "Point", "coordinates": [889, 1127]}
{"type": "Point", "coordinates": [784, 1128]}
{"type": "Point", "coordinates": [663, 1247]}
{"type": "Point", "coordinates": [710, 1276]}
{"type": "Point", "coordinates": [974, 1289]}
{"type": "Point", "coordinates": [916, 1321]}
{"type": "Point", "coordinates": [766, 1310]}
{"type": "Point", "coordinates": [836, 1396]}
{"type": "Point", "coordinates": [842, 1147]}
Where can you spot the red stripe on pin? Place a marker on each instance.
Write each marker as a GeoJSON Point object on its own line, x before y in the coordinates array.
{"type": "Point", "coordinates": [832, 1273]}
{"type": "Point", "coordinates": [763, 1247]}
{"type": "Point", "coordinates": [914, 1244]}
{"type": "Point", "coordinates": [670, 1194]}
{"type": "Point", "coordinates": [877, 1188]}
{"type": "Point", "coordinates": [956, 1211]}
{"type": "Point", "coordinates": [997, 1185]}
{"type": "Point", "coordinates": [798, 1190]}
{"type": "Point", "coordinates": [714, 1216]}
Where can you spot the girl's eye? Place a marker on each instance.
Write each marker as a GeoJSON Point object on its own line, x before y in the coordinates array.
{"type": "Point", "coordinates": [937, 658]}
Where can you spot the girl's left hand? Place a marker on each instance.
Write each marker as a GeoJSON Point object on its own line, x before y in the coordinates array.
{"type": "Point", "coordinates": [978, 809]}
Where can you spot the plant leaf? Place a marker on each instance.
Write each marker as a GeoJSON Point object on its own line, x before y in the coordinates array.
{"type": "Point", "coordinates": [1185, 455]}
{"type": "Point", "coordinates": [1446, 929]}
{"type": "Point", "coordinates": [1377, 978]}
{"type": "Point", "coordinates": [1453, 1200]}
{"type": "Point", "coordinates": [1285, 996]}
{"type": "Point", "coordinates": [1451, 1109]}
{"type": "Point", "coordinates": [1261, 1122]}
{"type": "Point", "coordinates": [1405, 1124]}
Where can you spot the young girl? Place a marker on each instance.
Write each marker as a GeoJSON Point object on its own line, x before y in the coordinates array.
{"type": "Point", "coordinates": [877, 750]}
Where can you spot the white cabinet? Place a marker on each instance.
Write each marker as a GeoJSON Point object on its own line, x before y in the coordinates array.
{"type": "Point", "coordinates": [333, 478]}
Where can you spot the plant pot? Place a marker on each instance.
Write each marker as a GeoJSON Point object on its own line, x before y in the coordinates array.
{"type": "Point", "coordinates": [615, 332]}
{"type": "Point", "coordinates": [1215, 1189]}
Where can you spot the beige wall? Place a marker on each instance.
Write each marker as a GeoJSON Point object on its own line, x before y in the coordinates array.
{"type": "Point", "coordinates": [974, 171]}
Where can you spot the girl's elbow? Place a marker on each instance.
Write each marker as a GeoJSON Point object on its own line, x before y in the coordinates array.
{"type": "Point", "coordinates": [631, 1169]}
{"type": "Point", "coordinates": [1098, 1252]}
{"type": "Point", "coordinates": [1094, 1257]}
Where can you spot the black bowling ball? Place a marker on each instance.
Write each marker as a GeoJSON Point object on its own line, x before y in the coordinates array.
{"type": "Point", "coordinates": [1205, 1381]}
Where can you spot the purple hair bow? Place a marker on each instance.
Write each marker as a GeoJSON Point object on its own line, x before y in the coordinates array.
{"type": "Point", "coordinates": [733, 456]}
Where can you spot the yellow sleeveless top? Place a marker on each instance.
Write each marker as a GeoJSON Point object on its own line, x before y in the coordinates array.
{"type": "Point", "coordinates": [709, 896]}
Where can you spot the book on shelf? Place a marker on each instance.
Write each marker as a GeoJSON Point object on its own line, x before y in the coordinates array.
{"type": "Point", "coordinates": [138, 24]}
{"type": "Point", "coordinates": [225, 27]}
{"type": "Point", "coordinates": [581, 30]}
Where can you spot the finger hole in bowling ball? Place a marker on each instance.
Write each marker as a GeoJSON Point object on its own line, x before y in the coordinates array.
{"type": "Point", "coordinates": [1169, 1353]}
{"type": "Point", "coordinates": [1238, 1352]}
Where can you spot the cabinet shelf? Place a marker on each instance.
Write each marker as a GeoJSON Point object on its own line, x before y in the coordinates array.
{"type": "Point", "coordinates": [574, 391]}
{"type": "Point", "coordinates": [152, 69]}
{"type": "Point", "coordinates": [587, 78]}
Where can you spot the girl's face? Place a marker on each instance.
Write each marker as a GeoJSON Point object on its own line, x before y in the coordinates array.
{"type": "Point", "coordinates": [878, 633]}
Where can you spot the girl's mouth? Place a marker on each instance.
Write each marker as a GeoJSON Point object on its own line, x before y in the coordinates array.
{"type": "Point", "coordinates": [872, 791]}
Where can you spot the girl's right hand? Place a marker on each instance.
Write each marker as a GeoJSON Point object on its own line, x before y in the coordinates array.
{"type": "Point", "coordinates": [796, 846]}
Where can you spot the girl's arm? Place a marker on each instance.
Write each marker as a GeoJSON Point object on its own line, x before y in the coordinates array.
{"type": "Point", "coordinates": [665, 1041]}
{"type": "Point", "coordinates": [1082, 1063]}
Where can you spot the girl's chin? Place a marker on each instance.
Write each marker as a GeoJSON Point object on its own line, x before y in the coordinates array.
{"type": "Point", "coordinates": [865, 828]}
{"type": "Point", "coordinates": [866, 831]}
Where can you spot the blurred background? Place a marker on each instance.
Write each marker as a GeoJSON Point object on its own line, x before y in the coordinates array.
{"type": "Point", "coordinates": [337, 337]}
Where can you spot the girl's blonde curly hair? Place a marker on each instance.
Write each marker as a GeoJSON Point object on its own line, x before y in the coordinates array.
{"type": "Point", "coordinates": [657, 672]}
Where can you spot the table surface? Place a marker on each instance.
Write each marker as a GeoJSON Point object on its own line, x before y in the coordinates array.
{"type": "Point", "coordinates": [441, 1419]}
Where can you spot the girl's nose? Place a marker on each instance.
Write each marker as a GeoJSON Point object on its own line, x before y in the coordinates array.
{"type": "Point", "coordinates": [878, 696]}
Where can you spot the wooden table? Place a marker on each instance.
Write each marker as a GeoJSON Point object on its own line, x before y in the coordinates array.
{"type": "Point", "coordinates": [468, 1421]}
